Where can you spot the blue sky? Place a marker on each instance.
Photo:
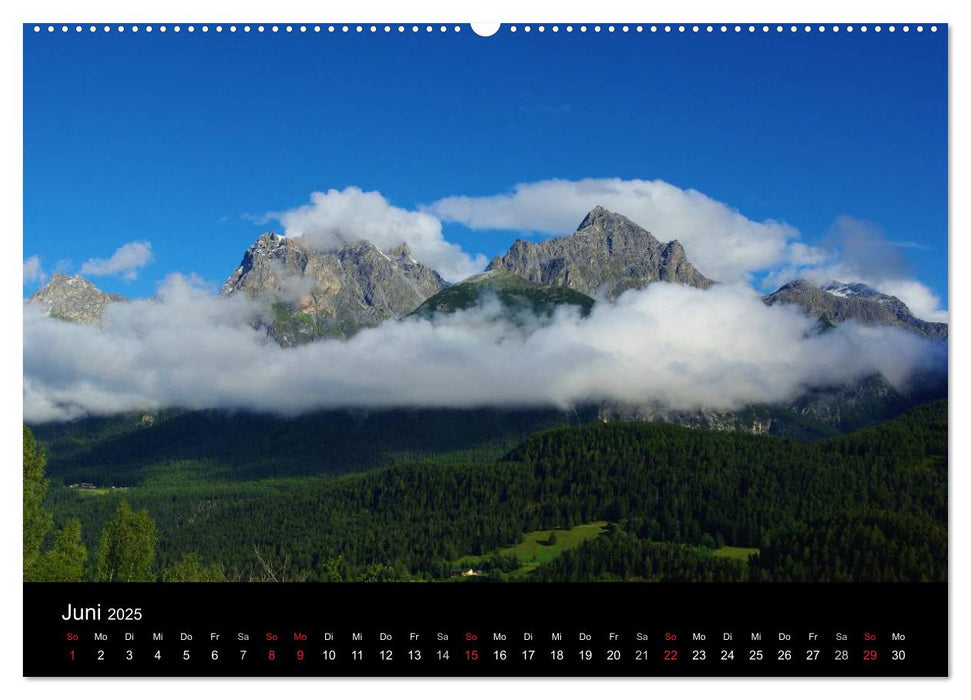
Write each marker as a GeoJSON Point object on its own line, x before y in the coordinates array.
{"type": "Point", "coordinates": [186, 141]}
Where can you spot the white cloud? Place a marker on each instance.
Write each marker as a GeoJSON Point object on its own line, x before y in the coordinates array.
{"type": "Point", "coordinates": [336, 216]}
{"type": "Point", "coordinates": [33, 270]}
{"type": "Point", "coordinates": [800, 254]}
{"type": "Point", "coordinates": [722, 243]}
{"type": "Point", "coordinates": [683, 347]}
{"type": "Point", "coordinates": [922, 302]}
{"type": "Point", "coordinates": [126, 261]}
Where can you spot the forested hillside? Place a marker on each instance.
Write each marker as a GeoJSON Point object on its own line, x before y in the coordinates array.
{"type": "Point", "coordinates": [868, 506]}
{"type": "Point", "coordinates": [129, 449]}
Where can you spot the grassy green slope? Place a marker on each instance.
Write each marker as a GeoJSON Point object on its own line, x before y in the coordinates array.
{"type": "Point", "coordinates": [516, 295]}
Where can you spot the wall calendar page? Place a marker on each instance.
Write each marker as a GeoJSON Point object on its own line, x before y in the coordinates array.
{"type": "Point", "coordinates": [515, 350]}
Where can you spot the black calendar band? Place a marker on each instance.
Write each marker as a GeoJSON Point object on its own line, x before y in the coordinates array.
{"type": "Point", "coordinates": [485, 629]}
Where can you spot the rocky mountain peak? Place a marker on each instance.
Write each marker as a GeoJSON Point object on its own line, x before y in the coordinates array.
{"type": "Point", "coordinates": [73, 298]}
{"type": "Point", "coordinates": [330, 293]}
{"type": "Point", "coordinates": [595, 214]}
{"type": "Point", "coordinates": [799, 283]}
{"type": "Point", "coordinates": [838, 302]}
{"type": "Point", "coordinates": [268, 238]}
{"type": "Point", "coordinates": [59, 280]}
{"type": "Point", "coordinates": [608, 253]}
{"type": "Point", "coordinates": [267, 243]}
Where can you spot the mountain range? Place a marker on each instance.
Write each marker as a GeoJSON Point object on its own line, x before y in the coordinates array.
{"type": "Point", "coordinates": [335, 293]}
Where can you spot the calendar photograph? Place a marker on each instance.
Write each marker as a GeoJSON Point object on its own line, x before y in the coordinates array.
{"type": "Point", "coordinates": [565, 304]}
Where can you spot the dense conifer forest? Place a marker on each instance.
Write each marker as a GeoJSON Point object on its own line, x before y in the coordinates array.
{"type": "Point", "coordinates": [868, 506]}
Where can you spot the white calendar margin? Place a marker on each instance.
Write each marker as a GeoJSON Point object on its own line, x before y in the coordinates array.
{"type": "Point", "coordinates": [619, 11]}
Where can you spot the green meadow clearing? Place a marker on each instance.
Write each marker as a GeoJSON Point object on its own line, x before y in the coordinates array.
{"type": "Point", "coordinates": [739, 553]}
{"type": "Point", "coordinates": [541, 546]}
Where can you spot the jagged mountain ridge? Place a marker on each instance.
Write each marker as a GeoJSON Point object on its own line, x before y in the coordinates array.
{"type": "Point", "coordinates": [837, 302]}
{"type": "Point", "coordinates": [607, 254]}
{"type": "Point", "coordinates": [320, 294]}
{"type": "Point", "coordinates": [73, 298]}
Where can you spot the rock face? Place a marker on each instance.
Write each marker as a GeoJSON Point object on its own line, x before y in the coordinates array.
{"type": "Point", "coordinates": [837, 302]}
{"type": "Point", "coordinates": [608, 253]}
{"type": "Point", "coordinates": [516, 296]}
{"type": "Point", "coordinates": [333, 294]}
{"type": "Point", "coordinates": [74, 299]}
